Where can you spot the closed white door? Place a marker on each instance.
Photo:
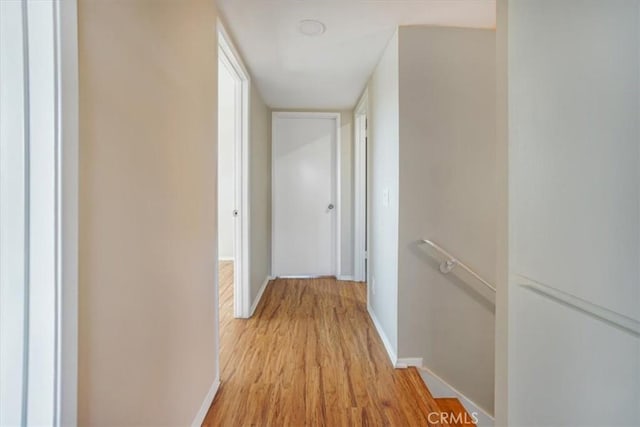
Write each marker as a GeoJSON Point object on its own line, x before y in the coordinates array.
{"type": "Point", "coordinates": [304, 194]}
{"type": "Point", "coordinates": [574, 173]}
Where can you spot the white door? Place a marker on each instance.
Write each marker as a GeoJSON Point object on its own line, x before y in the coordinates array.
{"type": "Point", "coordinates": [574, 174]}
{"type": "Point", "coordinates": [304, 194]}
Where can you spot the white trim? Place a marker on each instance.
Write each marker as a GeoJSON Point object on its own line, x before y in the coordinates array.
{"type": "Point", "coordinates": [206, 404]}
{"type": "Point", "coordinates": [360, 187]}
{"type": "Point", "coordinates": [387, 344]}
{"type": "Point", "coordinates": [226, 258]}
{"type": "Point", "coordinates": [405, 362]}
{"type": "Point", "coordinates": [440, 388]}
{"type": "Point", "coordinates": [230, 57]}
{"type": "Point", "coordinates": [345, 278]}
{"type": "Point", "coordinates": [68, 123]}
{"type": "Point", "coordinates": [337, 257]}
{"type": "Point", "coordinates": [12, 214]}
{"type": "Point", "coordinates": [259, 296]}
{"type": "Point", "coordinates": [226, 42]}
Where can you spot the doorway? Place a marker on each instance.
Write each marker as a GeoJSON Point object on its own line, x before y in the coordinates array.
{"type": "Point", "coordinates": [306, 191]}
{"type": "Point", "coordinates": [233, 125]}
{"type": "Point", "coordinates": [361, 169]}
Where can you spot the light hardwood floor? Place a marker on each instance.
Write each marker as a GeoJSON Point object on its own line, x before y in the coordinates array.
{"type": "Point", "coordinates": [228, 324]}
{"type": "Point", "coordinates": [310, 356]}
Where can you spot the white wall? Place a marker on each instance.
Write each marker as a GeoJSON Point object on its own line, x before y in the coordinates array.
{"type": "Point", "coordinates": [259, 192]}
{"type": "Point", "coordinates": [226, 161]}
{"type": "Point", "coordinates": [574, 207]}
{"type": "Point", "coordinates": [384, 181]}
{"type": "Point", "coordinates": [148, 195]}
{"type": "Point", "coordinates": [448, 194]}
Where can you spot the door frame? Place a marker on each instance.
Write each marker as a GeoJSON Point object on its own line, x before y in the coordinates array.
{"type": "Point", "coordinates": [229, 56]}
{"type": "Point", "coordinates": [360, 113]}
{"type": "Point", "coordinates": [60, 296]}
{"type": "Point", "coordinates": [336, 255]}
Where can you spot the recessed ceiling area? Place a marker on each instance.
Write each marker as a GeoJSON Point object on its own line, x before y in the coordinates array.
{"type": "Point", "coordinates": [329, 68]}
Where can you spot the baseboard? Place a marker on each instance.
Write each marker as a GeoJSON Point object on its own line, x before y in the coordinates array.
{"type": "Point", "coordinates": [206, 404]}
{"type": "Point", "coordinates": [259, 296]}
{"type": "Point", "coordinates": [405, 362]}
{"type": "Point", "coordinates": [387, 344]}
{"type": "Point", "coordinates": [226, 258]}
{"type": "Point", "coordinates": [440, 388]}
{"type": "Point", "coordinates": [345, 278]}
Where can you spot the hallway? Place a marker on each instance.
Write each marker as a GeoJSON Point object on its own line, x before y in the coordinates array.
{"type": "Point", "coordinates": [310, 356]}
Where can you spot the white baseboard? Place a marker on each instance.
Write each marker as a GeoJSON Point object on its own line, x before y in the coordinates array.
{"type": "Point", "coordinates": [440, 388]}
{"type": "Point", "coordinates": [206, 404]}
{"type": "Point", "coordinates": [259, 296]}
{"type": "Point", "coordinates": [226, 258]}
{"type": "Point", "coordinates": [346, 278]}
{"type": "Point", "coordinates": [405, 362]}
{"type": "Point", "coordinates": [387, 344]}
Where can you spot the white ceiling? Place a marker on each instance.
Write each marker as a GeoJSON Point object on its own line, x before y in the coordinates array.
{"type": "Point", "coordinates": [330, 71]}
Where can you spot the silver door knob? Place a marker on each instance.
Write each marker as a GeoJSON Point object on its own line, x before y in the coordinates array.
{"type": "Point", "coordinates": [331, 206]}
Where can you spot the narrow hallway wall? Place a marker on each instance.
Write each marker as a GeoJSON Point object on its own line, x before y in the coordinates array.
{"type": "Point", "coordinates": [147, 246]}
{"type": "Point", "coordinates": [259, 193]}
{"type": "Point", "coordinates": [384, 122]}
{"type": "Point", "coordinates": [448, 193]}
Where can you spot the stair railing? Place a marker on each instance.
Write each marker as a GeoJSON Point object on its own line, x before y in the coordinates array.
{"type": "Point", "coordinates": [448, 263]}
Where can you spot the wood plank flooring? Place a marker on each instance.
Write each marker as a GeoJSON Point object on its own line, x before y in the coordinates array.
{"type": "Point", "coordinates": [456, 414]}
{"type": "Point", "coordinates": [310, 356]}
{"type": "Point", "coordinates": [228, 324]}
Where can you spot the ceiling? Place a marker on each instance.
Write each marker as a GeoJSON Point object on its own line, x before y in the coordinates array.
{"type": "Point", "coordinates": [330, 71]}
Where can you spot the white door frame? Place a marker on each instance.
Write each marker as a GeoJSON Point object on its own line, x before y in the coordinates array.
{"type": "Point", "coordinates": [360, 188]}
{"type": "Point", "coordinates": [53, 40]}
{"type": "Point", "coordinates": [229, 56]}
{"type": "Point", "coordinates": [337, 257]}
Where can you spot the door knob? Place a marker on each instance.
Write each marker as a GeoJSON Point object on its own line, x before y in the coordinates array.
{"type": "Point", "coordinates": [235, 213]}
{"type": "Point", "coordinates": [331, 206]}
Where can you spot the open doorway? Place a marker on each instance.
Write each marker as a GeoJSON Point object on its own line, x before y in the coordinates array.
{"type": "Point", "coordinates": [233, 89]}
{"type": "Point", "coordinates": [361, 267]}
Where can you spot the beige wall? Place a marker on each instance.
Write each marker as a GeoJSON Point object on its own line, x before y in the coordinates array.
{"type": "Point", "coordinates": [501, 399]}
{"type": "Point", "coordinates": [448, 193]}
{"type": "Point", "coordinates": [432, 149]}
{"type": "Point", "coordinates": [383, 152]}
{"type": "Point", "coordinates": [147, 210]}
{"type": "Point", "coordinates": [259, 193]}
